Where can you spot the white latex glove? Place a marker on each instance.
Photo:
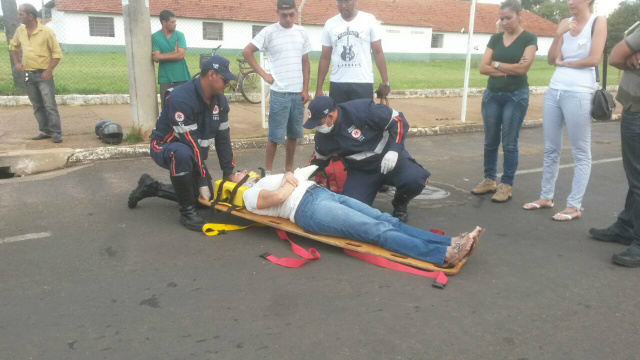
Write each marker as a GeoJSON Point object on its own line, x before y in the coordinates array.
{"type": "Point", "coordinates": [302, 174]}
{"type": "Point", "coordinates": [388, 162]}
{"type": "Point", "coordinates": [205, 192]}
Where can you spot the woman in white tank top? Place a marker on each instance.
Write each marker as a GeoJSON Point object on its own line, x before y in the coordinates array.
{"type": "Point", "coordinates": [575, 52]}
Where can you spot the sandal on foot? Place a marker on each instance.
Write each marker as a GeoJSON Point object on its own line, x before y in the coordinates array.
{"type": "Point", "coordinates": [458, 246]}
{"type": "Point", "coordinates": [563, 216]}
{"type": "Point", "coordinates": [536, 206]}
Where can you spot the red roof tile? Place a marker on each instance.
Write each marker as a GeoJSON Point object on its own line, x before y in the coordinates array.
{"type": "Point", "coordinates": [441, 15]}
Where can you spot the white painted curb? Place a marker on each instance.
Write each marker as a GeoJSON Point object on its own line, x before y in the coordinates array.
{"type": "Point", "coordinates": [118, 99]}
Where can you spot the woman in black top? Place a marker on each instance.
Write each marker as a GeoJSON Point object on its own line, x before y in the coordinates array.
{"type": "Point", "coordinates": [505, 102]}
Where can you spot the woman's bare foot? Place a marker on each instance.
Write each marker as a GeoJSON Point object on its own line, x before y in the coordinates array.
{"type": "Point", "coordinates": [462, 246]}
{"type": "Point", "coordinates": [567, 214]}
{"type": "Point", "coordinates": [540, 203]}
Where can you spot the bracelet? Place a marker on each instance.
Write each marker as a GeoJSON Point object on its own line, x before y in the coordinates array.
{"type": "Point", "coordinates": [496, 64]}
{"type": "Point", "coordinates": [387, 84]}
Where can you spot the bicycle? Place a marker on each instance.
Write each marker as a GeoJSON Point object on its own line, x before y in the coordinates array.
{"type": "Point", "coordinates": [249, 82]}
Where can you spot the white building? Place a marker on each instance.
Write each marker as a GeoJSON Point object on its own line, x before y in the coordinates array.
{"type": "Point", "coordinates": [414, 29]}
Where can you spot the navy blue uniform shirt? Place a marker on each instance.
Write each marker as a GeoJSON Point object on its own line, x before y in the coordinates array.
{"type": "Point", "coordinates": [363, 134]}
{"type": "Point", "coordinates": [187, 118]}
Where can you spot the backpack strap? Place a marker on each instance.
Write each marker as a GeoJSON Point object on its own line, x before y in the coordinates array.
{"type": "Point", "coordinates": [593, 27]}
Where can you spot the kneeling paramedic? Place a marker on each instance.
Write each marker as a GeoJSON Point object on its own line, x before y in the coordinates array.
{"type": "Point", "coordinates": [194, 116]}
{"type": "Point", "coordinates": [370, 139]}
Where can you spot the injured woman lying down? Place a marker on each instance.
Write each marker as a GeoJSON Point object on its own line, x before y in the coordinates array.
{"type": "Point", "coordinates": [318, 210]}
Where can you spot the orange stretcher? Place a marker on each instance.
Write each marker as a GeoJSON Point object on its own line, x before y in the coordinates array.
{"type": "Point", "coordinates": [288, 226]}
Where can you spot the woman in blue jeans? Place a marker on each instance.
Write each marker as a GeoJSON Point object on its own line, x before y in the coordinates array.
{"type": "Point", "coordinates": [506, 61]}
{"type": "Point", "coordinates": [318, 210]}
{"type": "Point", "coordinates": [576, 51]}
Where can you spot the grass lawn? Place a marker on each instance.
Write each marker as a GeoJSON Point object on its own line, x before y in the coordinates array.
{"type": "Point", "coordinates": [99, 73]}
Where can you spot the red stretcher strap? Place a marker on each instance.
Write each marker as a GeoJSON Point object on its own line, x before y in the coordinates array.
{"type": "Point", "coordinates": [440, 279]}
{"type": "Point", "coordinates": [312, 254]}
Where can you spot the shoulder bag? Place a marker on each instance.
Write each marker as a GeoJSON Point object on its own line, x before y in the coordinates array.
{"type": "Point", "coordinates": [603, 102]}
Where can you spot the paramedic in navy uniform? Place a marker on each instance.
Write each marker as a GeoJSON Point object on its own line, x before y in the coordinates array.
{"type": "Point", "coordinates": [194, 116]}
{"type": "Point", "coordinates": [370, 139]}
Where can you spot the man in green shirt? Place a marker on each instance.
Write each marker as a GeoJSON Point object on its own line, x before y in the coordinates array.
{"type": "Point", "coordinates": [626, 230]}
{"type": "Point", "coordinates": [168, 48]}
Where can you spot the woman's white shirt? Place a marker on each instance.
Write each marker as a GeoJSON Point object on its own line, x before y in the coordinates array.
{"type": "Point", "coordinates": [576, 48]}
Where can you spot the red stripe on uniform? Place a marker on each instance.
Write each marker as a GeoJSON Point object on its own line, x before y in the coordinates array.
{"type": "Point", "coordinates": [155, 147]}
{"type": "Point", "coordinates": [400, 128]}
{"type": "Point", "coordinates": [173, 133]}
{"type": "Point", "coordinates": [169, 136]}
{"type": "Point", "coordinates": [196, 152]}
{"type": "Point", "coordinates": [173, 165]}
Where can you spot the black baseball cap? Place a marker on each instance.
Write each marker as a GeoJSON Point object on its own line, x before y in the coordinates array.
{"type": "Point", "coordinates": [220, 65]}
{"type": "Point", "coordinates": [286, 4]}
{"type": "Point", "coordinates": [319, 108]}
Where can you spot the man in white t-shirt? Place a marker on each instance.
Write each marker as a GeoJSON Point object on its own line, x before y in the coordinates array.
{"type": "Point", "coordinates": [287, 46]}
{"type": "Point", "coordinates": [347, 42]}
{"type": "Point", "coordinates": [320, 211]}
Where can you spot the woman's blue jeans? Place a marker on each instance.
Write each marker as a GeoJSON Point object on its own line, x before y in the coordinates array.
{"type": "Point", "coordinates": [502, 115]}
{"type": "Point", "coordinates": [323, 212]}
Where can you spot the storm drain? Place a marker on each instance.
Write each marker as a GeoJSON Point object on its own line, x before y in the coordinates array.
{"type": "Point", "coordinates": [5, 172]}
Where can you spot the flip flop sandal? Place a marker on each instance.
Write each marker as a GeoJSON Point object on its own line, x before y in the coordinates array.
{"type": "Point", "coordinates": [566, 217]}
{"type": "Point", "coordinates": [536, 206]}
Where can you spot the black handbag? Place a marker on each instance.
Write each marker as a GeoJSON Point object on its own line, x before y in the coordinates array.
{"type": "Point", "coordinates": [603, 105]}
{"type": "Point", "coordinates": [603, 102]}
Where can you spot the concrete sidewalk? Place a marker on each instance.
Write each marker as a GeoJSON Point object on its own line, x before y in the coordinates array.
{"type": "Point", "coordinates": [18, 125]}
{"type": "Point", "coordinates": [22, 156]}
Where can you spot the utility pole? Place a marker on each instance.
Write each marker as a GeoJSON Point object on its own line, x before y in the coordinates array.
{"type": "Point", "coordinates": [142, 76]}
{"type": "Point", "coordinates": [467, 68]}
{"type": "Point", "coordinates": [11, 23]}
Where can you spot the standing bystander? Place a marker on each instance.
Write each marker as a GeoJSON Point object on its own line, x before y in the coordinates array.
{"type": "Point", "coordinates": [576, 51]}
{"type": "Point", "coordinates": [506, 61]}
{"type": "Point", "coordinates": [287, 46]}
{"type": "Point", "coordinates": [41, 53]}
{"type": "Point", "coordinates": [347, 42]}
{"type": "Point", "coordinates": [168, 49]}
{"type": "Point", "coordinates": [626, 230]}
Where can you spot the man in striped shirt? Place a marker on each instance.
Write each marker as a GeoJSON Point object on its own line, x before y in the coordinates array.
{"type": "Point", "coordinates": [287, 47]}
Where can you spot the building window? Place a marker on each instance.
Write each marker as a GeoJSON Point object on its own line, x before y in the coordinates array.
{"type": "Point", "coordinates": [212, 31]}
{"type": "Point", "coordinates": [101, 26]}
{"type": "Point", "coordinates": [417, 32]}
{"type": "Point", "coordinates": [437, 41]}
{"type": "Point", "coordinates": [255, 29]}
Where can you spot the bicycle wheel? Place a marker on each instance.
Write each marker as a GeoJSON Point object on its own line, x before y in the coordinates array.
{"type": "Point", "coordinates": [250, 87]}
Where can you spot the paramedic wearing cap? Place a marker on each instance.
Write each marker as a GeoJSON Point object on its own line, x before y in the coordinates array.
{"type": "Point", "coordinates": [194, 116]}
{"type": "Point", "coordinates": [370, 139]}
{"type": "Point", "coordinates": [287, 46]}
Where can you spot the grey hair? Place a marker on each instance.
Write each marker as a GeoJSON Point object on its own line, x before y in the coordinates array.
{"type": "Point", "coordinates": [513, 5]}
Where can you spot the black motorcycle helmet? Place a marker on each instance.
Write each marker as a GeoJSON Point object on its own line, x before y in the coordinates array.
{"type": "Point", "coordinates": [111, 133]}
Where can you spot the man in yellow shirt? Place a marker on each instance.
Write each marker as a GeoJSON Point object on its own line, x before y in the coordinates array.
{"type": "Point", "coordinates": [40, 55]}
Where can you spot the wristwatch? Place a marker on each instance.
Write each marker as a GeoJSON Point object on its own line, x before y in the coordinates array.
{"type": "Point", "coordinates": [386, 84]}
{"type": "Point", "coordinates": [496, 64]}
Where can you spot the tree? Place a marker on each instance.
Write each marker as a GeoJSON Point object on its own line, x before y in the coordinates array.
{"type": "Point", "coordinates": [620, 20]}
{"type": "Point", "coordinates": [552, 10]}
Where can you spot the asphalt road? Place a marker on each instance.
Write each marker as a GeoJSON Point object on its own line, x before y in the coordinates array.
{"type": "Point", "coordinates": [100, 281]}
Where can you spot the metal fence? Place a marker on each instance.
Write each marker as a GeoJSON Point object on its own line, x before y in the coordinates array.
{"type": "Point", "coordinates": [94, 59]}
